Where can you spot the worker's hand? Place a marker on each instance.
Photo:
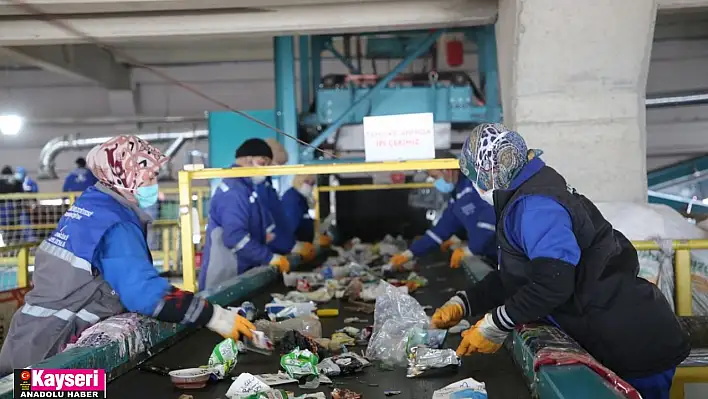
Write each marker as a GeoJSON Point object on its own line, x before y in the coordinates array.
{"type": "Point", "coordinates": [281, 263]}
{"type": "Point", "coordinates": [458, 255]}
{"type": "Point", "coordinates": [452, 243]}
{"type": "Point", "coordinates": [483, 337]}
{"type": "Point", "coordinates": [305, 249]}
{"type": "Point", "coordinates": [324, 240]}
{"type": "Point", "coordinates": [230, 324]}
{"type": "Point", "coordinates": [397, 261]}
{"type": "Point", "coordinates": [449, 314]}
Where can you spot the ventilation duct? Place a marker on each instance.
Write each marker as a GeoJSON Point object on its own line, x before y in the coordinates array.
{"type": "Point", "coordinates": [54, 147]}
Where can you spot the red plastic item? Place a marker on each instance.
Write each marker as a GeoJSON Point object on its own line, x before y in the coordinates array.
{"type": "Point", "coordinates": [455, 53]}
{"type": "Point", "coordinates": [198, 259]}
{"type": "Point", "coordinates": [398, 178]}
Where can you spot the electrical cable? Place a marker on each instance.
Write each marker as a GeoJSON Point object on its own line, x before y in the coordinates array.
{"type": "Point", "coordinates": [65, 26]}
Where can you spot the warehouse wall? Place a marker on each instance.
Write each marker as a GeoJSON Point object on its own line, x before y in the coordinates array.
{"type": "Point", "coordinates": [673, 133]}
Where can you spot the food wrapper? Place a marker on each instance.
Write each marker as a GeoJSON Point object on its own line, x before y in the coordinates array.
{"type": "Point", "coordinates": [260, 343]}
{"type": "Point", "coordinates": [223, 358]}
{"type": "Point", "coordinates": [344, 364]}
{"type": "Point", "coordinates": [430, 338]}
{"type": "Point", "coordinates": [300, 363]}
{"type": "Point", "coordinates": [270, 394]}
{"type": "Point", "coordinates": [423, 359]}
{"type": "Point", "coordinates": [339, 338]}
{"type": "Point", "coordinates": [339, 393]}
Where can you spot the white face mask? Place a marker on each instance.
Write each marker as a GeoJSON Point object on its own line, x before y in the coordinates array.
{"type": "Point", "coordinates": [258, 179]}
{"type": "Point", "coordinates": [305, 190]}
{"type": "Point", "coordinates": [487, 196]}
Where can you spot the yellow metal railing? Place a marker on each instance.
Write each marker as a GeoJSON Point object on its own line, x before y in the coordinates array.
{"type": "Point", "coordinates": [187, 177]}
{"type": "Point", "coordinates": [19, 257]}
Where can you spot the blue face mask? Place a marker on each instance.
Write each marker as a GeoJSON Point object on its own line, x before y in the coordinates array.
{"type": "Point", "coordinates": [147, 195]}
{"type": "Point", "coordinates": [443, 186]}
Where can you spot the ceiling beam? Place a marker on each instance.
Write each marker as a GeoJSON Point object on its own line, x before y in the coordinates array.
{"type": "Point", "coordinates": [327, 19]}
{"type": "Point", "coordinates": [85, 62]}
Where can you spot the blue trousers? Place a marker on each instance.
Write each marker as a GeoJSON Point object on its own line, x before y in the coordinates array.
{"type": "Point", "coordinates": [655, 386]}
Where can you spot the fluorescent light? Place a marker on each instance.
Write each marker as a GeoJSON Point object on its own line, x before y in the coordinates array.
{"type": "Point", "coordinates": [11, 124]}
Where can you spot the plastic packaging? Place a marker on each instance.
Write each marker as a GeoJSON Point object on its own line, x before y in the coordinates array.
{"type": "Point", "coordinates": [395, 315]}
{"type": "Point", "coordinates": [422, 359]}
{"type": "Point", "coordinates": [280, 310]}
{"type": "Point", "coordinates": [432, 338]}
{"type": "Point", "coordinates": [300, 363]}
{"type": "Point", "coordinates": [294, 340]}
{"type": "Point", "coordinates": [469, 388]}
{"type": "Point", "coordinates": [344, 364]}
{"type": "Point", "coordinates": [223, 358]}
{"type": "Point", "coordinates": [308, 325]}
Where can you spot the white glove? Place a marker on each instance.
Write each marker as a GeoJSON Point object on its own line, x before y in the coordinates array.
{"type": "Point", "coordinates": [229, 324]}
{"type": "Point", "coordinates": [490, 331]}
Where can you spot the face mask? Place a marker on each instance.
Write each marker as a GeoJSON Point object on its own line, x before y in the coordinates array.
{"type": "Point", "coordinates": [443, 186]}
{"type": "Point", "coordinates": [19, 176]}
{"type": "Point", "coordinates": [487, 196]}
{"type": "Point", "coordinates": [258, 179]}
{"type": "Point", "coordinates": [147, 195]}
{"type": "Point", "coordinates": [305, 190]}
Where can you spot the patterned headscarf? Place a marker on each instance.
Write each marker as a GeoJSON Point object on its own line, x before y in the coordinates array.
{"type": "Point", "coordinates": [125, 163]}
{"type": "Point", "coordinates": [493, 155]}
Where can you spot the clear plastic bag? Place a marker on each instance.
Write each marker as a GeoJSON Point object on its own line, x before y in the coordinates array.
{"type": "Point", "coordinates": [307, 325]}
{"type": "Point", "coordinates": [396, 313]}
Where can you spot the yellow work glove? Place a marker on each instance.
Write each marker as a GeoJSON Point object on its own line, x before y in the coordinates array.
{"type": "Point", "coordinates": [230, 324]}
{"type": "Point", "coordinates": [398, 260]}
{"type": "Point", "coordinates": [449, 314]}
{"type": "Point", "coordinates": [458, 255]}
{"type": "Point", "coordinates": [281, 263]}
{"type": "Point", "coordinates": [324, 240]}
{"type": "Point", "coordinates": [483, 337]}
{"type": "Point", "coordinates": [305, 249]}
{"type": "Point", "coordinates": [452, 243]}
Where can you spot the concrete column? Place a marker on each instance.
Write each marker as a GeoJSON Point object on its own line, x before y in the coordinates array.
{"type": "Point", "coordinates": [573, 77]}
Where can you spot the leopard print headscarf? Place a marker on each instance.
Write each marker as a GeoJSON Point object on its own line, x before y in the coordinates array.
{"type": "Point", "coordinates": [493, 155]}
{"type": "Point", "coordinates": [125, 163]}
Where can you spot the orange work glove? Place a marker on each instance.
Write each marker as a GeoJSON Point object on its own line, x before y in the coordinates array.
{"type": "Point", "coordinates": [452, 243]}
{"type": "Point", "coordinates": [281, 263]}
{"type": "Point", "coordinates": [458, 255]}
{"type": "Point", "coordinates": [449, 314]}
{"type": "Point", "coordinates": [483, 337]}
{"type": "Point", "coordinates": [324, 240]}
{"type": "Point", "coordinates": [306, 250]}
{"type": "Point", "coordinates": [230, 324]}
{"type": "Point", "coordinates": [398, 260]}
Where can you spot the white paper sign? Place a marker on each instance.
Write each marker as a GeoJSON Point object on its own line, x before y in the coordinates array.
{"type": "Point", "coordinates": [399, 137]}
{"type": "Point", "coordinates": [246, 384]}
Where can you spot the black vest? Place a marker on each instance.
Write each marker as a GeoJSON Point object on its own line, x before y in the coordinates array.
{"type": "Point", "coordinates": [622, 320]}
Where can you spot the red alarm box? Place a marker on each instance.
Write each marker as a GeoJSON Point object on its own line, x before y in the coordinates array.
{"type": "Point", "coordinates": [455, 52]}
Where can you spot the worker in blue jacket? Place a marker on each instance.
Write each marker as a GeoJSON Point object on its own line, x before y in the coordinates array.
{"type": "Point", "coordinates": [96, 264]}
{"type": "Point", "coordinates": [237, 232]}
{"type": "Point", "coordinates": [465, 210]}
{"type": "Point", "coordinates": [281, 237]}
{"type": "Point", "coordinates": [28, 185]}
{"type": "Point", "coordinates": [297, 202]}
{"type": "Point", "coordinates": [562, 262]}
{"type": "Point", "coordinates": [80, 178]}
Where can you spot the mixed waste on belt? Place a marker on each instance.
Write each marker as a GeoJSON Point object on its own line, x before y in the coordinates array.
{"type": "Point", "coordinates": [392, 325]}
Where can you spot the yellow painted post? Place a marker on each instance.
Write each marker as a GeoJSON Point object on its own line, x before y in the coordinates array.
{"type": "Point", "coordinates": [682, 271]}
{"type": "Point", "coordinates": [200, 208]}
{"type": "Point", "coordinates": [186, 229]}
{"type": "Point", "coordinates": [23, 267]}
{"type": "Point", "coordinates": [72, 198]}
{"type": "Point", "coordinates": [165, 247]}
{"type": "Point", "coordinates": [175, 245]}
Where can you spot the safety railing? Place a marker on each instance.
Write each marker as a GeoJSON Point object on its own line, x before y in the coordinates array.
{"type": "Point", "coordinates": [17, 260]}
{"type": "Point", "coordinates": [186, 179]}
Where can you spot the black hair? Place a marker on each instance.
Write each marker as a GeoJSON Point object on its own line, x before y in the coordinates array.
{"type": "Point", "coordinates": [80, 162]}
{"type": "Point", "coordinates": [7, 170]}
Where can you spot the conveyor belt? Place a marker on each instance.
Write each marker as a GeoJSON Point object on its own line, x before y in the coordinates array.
{"type": "Point", "coordinates": [498, 371]}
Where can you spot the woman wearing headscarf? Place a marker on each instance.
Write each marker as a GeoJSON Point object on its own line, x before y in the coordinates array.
{"type": "Point", "coordinates": [296, 205]}
{"type": "Point", "coordinates": [562, 262]}
{"type": "Point", "coordinates": [96, 263]}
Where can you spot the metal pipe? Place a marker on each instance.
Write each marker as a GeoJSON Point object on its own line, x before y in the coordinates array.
{"type": "Point", "coordinates": [332, 128]}
{"type": "Point", "coordinates": [677, 99]}
{"type": "Point", "coordinates": [114, 120]}
{"type": "Point", "coordinates": [59, 144]}
{"type": "Point", "coordinates": [342, 58]}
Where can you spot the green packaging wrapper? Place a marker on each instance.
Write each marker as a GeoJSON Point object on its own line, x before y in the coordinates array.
{"type": "Point", "coordinates": [223, 358]}
{"type": "Point", "coordinates": [300, 363]}
{"type": "Point", "coordinates": [272, 394]}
